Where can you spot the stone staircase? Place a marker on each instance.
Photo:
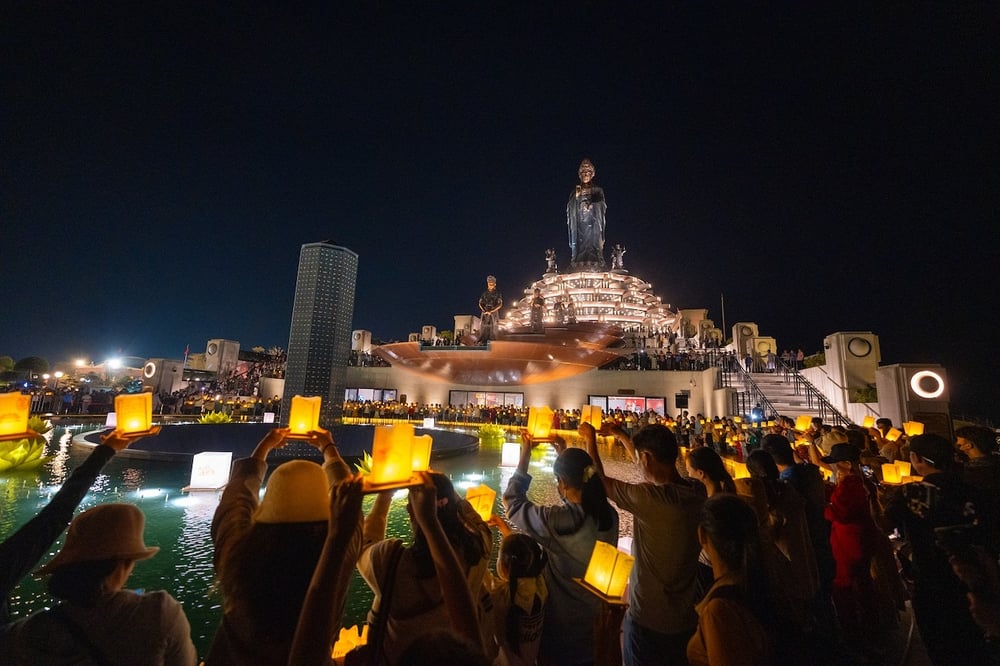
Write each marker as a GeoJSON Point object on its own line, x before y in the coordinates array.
{"type": "Point", "coordinates": [779, 389]}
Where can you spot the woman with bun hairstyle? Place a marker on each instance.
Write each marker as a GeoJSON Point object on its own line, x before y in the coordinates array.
{"type": "Point", "coordinates": [567, 532]}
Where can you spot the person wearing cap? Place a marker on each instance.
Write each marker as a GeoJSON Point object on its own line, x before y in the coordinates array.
{"type": "Point", "coordinates": [21, 551]}
{"type": "Point", "coordinates": [99, 621]}
{"type": "Point", "coordinates": [942, 501]}
{"type": "Point", "coordinates": [266, 550]}
{"type": "Point", "coordinates": [853, 540]}
{"type": "Point", "coordinates": [490, 303]}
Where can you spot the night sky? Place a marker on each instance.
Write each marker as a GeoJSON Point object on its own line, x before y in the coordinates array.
{"type": "Point", "coordinates": [825, 169]}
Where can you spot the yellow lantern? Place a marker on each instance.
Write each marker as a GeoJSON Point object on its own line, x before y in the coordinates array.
{"type": "Point", "coordinates": [868, 422]}
{"type": "Point", "coordinates": [482, 498]}
{"type": "Point", "coordinates": [890, 473]}
{"type": "Point", "coordinates": [134, 413]}
{"type": "Point", "coordinates": [14, 408]}
{"type": "Point", "coordinates": [893, 434]}
{"type": "Point", "coordinates": [392, 457]}
{"type": "Point", "coordinates": [539, 423]}
{"type": "Point", "coordinates": [592, 415]}
{"type": "Point", "coordinates": [608, 571]}
{"type": "Point", "coordinates": [303, 417]}
{"type": "Point", "coordinates": [903, 468]}
{"type": "Point", "coordinates": [510, 454]}
{"type": "Point", "coordinates": [421, 452]}
{"type": "Point", "coordinates": [803, 422]}
{"type": "Point", "coordinates": [913, 428]}
{"type": "Point", "coordinates": [349, 639]}
{"type": "Point", "coordinates": [737, 419]}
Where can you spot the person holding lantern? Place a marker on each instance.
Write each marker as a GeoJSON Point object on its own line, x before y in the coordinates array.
{"type": "Point", "coordinates": [21, 551]}
{"type": "Point", "coordinates": [266, 550]}
{"type": "Point", "coordinates": [568, 533]}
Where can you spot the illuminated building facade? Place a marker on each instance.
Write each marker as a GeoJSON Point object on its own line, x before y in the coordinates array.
{"type": "Point", "coordinates": [319, 342]}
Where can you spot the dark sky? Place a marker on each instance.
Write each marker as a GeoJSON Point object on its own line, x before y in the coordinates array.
{"type": "Point", "coordinates": [825, 169]}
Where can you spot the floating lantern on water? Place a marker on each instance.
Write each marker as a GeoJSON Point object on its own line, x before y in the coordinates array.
{"type": "Point", "coordinates": [510, 454]}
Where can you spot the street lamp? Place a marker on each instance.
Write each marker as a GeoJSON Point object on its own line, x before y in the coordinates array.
{"type": "Point", "coordinates": [58, 375]}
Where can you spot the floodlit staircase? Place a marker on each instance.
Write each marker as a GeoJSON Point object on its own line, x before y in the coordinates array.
{"type": "Point", "coordinates": [785, 392]}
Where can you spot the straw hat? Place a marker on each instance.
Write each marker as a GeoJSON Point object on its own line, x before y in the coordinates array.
{"type": "Point", "coordinates": [297, 492]}
{"type": "Point", "coordinates": [106, 532]}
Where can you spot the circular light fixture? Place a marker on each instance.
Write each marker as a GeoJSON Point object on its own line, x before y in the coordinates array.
{"type": "Point", "coordinates": [213, 348]}
{"type": "Point", "coordinates": [859, 347]}
{"type": "Point", "coordinates": [927, 377]}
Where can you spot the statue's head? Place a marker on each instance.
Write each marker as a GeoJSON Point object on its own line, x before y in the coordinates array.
{"type": "Point", "coordinates": [491, 282]}
{"type": "Point", "coordinates": [586, 171]}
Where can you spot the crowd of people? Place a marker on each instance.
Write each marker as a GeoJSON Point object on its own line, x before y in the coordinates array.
{"type": "Point", "coordinates": [808, 558]}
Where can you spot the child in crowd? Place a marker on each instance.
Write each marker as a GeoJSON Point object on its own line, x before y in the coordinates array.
{"type": "Point", "coordinates": [519, 594]}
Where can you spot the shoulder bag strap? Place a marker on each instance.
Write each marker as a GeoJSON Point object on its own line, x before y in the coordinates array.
{"type": "Point", "coordinates": [376, 632]}
{"type": "Point", "coordinates": [77, 632]}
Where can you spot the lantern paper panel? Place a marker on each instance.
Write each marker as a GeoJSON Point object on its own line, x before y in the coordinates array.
{"type": "Point", "coordinates": [134, 413]}
{"type": "Point", "coordinates": [913, 428]}
{"type": "Point", "coordinates": [392, 457]}
{"type": "Point", "coordinates": [868, 422]}
{"type": "Point", "coordinates": [210, 470]}
{"type": "Point", "coordinates": [303, 417]}
{"type": "Point", "coordinates": [893, 434]}
{"type": "Point", "coordinates": [591, 414]}
{"type": "Point", "coordinates": [421, 452]}
{"type": "Point", "coordinates": [890, 473]}
{"type": "Point", "coordinates": [608, 570]}
{"type": "Point", "coordinates": [482, 498]}
{"type": "Point", "coordinates": [349, 639]}
{"type": "Point", "coordinates": [803, 422]}
{"type": "Point", "coordinates": [14, 408]}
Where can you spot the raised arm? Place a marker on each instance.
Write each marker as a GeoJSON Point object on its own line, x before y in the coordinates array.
{"type": "Point", "coordinates": [589, 436]}
{"type": "Point", "coordinates": [324, 602]}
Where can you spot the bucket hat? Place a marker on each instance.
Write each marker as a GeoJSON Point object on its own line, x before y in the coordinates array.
{"type": "Point", "coordinates": [297, 492]}
{"type": "Point", "coordinates": [106, 532]}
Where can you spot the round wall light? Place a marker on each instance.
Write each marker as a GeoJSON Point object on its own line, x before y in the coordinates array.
{"type": "Point", "coordinates": [927, 384]}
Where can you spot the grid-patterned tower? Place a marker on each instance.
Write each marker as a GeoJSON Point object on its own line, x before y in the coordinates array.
{"type": "Point", "coordinates": [320, 339]}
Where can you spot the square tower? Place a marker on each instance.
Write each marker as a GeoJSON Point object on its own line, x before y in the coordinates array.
{"type": "Point", "coordinates": [319, 343]}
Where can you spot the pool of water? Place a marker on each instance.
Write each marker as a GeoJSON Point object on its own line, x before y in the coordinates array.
{"type": "Point", "coordinates": [179, 523]}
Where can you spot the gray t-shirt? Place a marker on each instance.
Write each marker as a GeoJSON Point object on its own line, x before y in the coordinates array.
{"type": "Point", "coordinates": [662, 587]}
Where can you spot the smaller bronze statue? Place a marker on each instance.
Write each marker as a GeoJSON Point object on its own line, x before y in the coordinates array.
{"type": "Point", "coordinates": [560, 312]}
{"type": "Point", "coordinates": [570, 310]}
{"type": "Point", "coordinates": [537, 311]}
{"type": "Point", "coordinates": [550, 261]}
{"type": "Point", "coordinates": [618, 257]}
{"type": "Point", "coordinates": [489, 306]}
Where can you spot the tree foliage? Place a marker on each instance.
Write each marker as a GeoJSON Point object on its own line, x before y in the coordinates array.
{"type": "Point", "coordinates": [35, 364]}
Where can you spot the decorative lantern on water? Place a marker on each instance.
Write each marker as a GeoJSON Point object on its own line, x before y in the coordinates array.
{"type": "Point", "coordinates": [134, 413]}
{"type": "Point", "coordinates": [303, 416]}
{"type": "Point", "coordinates": [510, 454]}
{"type": "Point", "coordinates": [608, 571]}
{"type": "Point", "coordinates": [482, 498]}
{"type": "Point", "coordinates": [14, 409]}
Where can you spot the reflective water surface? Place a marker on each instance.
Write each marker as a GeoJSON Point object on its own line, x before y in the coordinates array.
{"type": "Point", "coordinates": [179, 523]}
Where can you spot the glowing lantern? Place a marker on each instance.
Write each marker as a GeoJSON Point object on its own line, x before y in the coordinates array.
{"type": "Point", "coordinates": [421, 452]}
{"type": "Point", "coordinates": [890, 473]}
{"type": "Point", "coordinates": [913, 428]}
{"type": "Point", "coordinates": [14, 408]}
{"type": "Point", "coordinates": [134, 413]}
{"type": "Point", "coordinates": [510, 454]}
{"type": "Point", "coordinates": [868, 422]}
{"type": "Point", "coordinates": [893, 434]}
{"type": "Point", "coordinates": [803, 423]}
{"type": "Point", "coordinates": [903, 466]}
{"type": "Point", "coordinates": [303, 417]}
{"type": "Point", "coordinates": [608, 571]}
{"type": "Point", "coordinates": [592, 415]}
{"type": "Point", "coordinates": [392, 457]}
{"type": "Point", "coordinates": [348, 640]}
{"type": "Point", "coordinates": [482, 499]}
{"type": "Point", "coordinates": [539, 422]}
{"type": "Point", "coordinates": [737, 419]}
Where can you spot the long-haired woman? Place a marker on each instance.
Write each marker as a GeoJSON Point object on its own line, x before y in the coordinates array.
{"type": "Point", "coordinates": [568, 532]}
{"type": "Point", "coordinates": [705, 466]}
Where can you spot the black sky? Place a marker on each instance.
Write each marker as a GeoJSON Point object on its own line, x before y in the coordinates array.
{"type": "Point", "coordinates": [825, 168]}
